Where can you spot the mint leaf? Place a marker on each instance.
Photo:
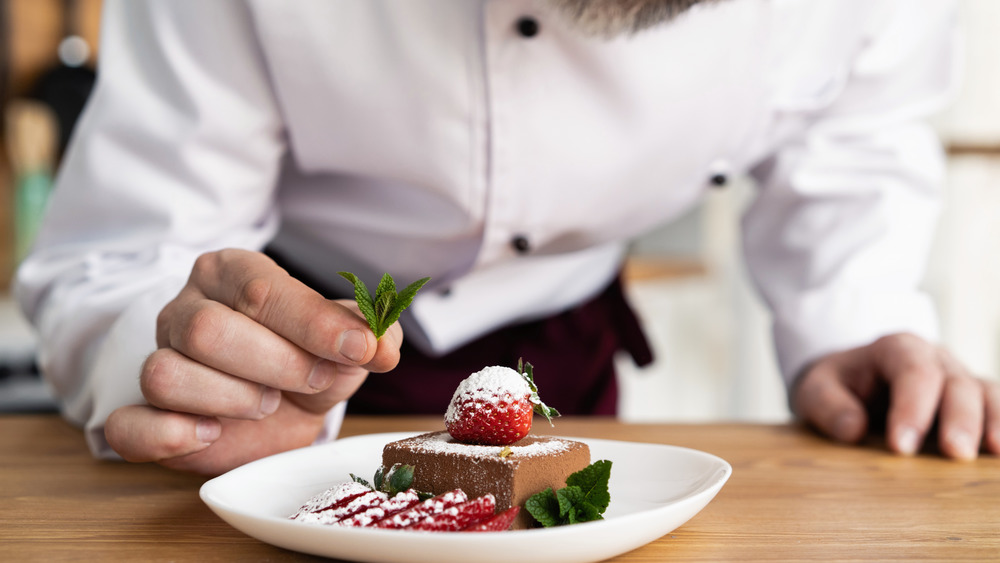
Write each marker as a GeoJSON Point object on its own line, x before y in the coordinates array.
{"type": "Point", "coordinates": [386, 307]}
{"type": "Point", "coordinates": [385, 298]}
{"type": "Point", "coordinates": [584, 498]}
{"type": "Point", "coordinates": [364, 299]}
{"type": "Point", "coordinates": [593, 482]}
{"type": "Point", "coordinates": [544, 507]}
{"type": "Point", "coordinates": [574, 507]}
{"type": "Point", "coordinates": [568, 497]}
{"type": "Point", "coordinates": [404, 299]}
{"type": "Point", "coordinates": [386, 285]}
{"type": "Point", "coordinates": [585, 512]}
{"type": "Point", "coordinates": [383, 303]}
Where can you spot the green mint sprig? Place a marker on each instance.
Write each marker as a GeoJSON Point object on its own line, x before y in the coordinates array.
{"type": "Point", "coordinates": [527, 372]}
{"type": "Point", "coordinates": [383, 309]}
{"type": "Point", "coordinates": [584, 498]}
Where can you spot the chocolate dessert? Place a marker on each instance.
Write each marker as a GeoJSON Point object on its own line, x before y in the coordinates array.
{"type": "Point", "coordinates": [510, 473]}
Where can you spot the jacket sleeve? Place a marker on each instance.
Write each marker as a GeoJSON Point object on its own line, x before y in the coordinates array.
{"type": "Point", "coordinates": [176, 154]}
{"type": "Point", "coordinates": [838, 236]}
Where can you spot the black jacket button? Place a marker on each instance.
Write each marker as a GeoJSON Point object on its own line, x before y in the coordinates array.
{"type": "Point", "coordinates": [527, 27]}
{"type": "Point", "coordinates": [520, 244]}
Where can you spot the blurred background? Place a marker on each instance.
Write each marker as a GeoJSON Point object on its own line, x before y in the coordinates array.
{"type": "Point", "coordinates": [709, 331]}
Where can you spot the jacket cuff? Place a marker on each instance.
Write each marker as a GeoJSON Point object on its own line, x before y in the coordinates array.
{"type": "Point", "coordinates": [812, 328]}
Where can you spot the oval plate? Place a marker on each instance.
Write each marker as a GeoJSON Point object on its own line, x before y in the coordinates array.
{"type": "Point", "coordinates": [654, 489]}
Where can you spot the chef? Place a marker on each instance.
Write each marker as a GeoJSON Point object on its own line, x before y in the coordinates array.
{"type": "Point", "coordinates": [236, 155]}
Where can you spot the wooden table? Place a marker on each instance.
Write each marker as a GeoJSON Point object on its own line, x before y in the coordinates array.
{"type": "Point", "coordinates": [792, 496]}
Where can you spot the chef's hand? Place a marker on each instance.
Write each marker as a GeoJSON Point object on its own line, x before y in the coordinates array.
{"type": "Point", "coordinates": [922, 383]}
{"type": "Point", "coordinates": [249, 361]}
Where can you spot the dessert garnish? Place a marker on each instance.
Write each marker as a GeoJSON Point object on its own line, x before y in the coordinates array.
{"type": "Point", "coordinates": [383, 309]}
{"type": "Point", "coordinates": [354, 504]}
{"type": "Point", "coordinates": [495, 405]}
{"type": "Point", "coordinates": [584, 498]}
{"type": "Point", "coordinates": [397, 479]}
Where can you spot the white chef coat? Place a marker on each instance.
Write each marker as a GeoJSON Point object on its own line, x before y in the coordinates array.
{"type": "Point", "coordinates": [422, 137]}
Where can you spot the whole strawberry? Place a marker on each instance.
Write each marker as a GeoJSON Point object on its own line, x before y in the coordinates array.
{"type": "Point", "coordinates": [494, 406]}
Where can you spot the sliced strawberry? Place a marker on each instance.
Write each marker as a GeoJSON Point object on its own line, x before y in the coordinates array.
{"type": "Point", "coordinates": [402, 501]}
{"type": "Point", "coordinates": [499, 523]}
{"type": "Point", "coordinates": [355, 505]}
{"type": "Point", "coordinates": [458, 517]}
{"type": "Point", "coordinates": [420, 511]}
{"type": "Point", "coordinates": [333, 497]}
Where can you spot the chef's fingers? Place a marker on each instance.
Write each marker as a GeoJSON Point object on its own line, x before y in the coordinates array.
{"type": "Point", "coordinates": [253, 285]}
{"type": "Point", "coordinates": [824, 400]}
{"type": "Point", "coordinates": [960, 427]}
{"type": "Point", "coordinates": [991, 438]}
{"type": "Point", "coordinates": [212, 334]}
{"type": "Point", "coordinates": [172, 381]}
{"type": "Point", "coordinates": [387, 347]}
{"type": "Point", "coordinates": [347, 379]}
{"type": "Point", "coordinates": [143, 433]}
{"type": "Point", "coordinates": [912, 368]}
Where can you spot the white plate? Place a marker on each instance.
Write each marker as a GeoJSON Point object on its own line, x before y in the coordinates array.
{"type": "Point", "coordinates": [654, 489]}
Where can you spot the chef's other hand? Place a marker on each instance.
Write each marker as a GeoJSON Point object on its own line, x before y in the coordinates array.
{"type": "Point", "coordinates": [249, 361]}
{"type": "Point", "coordinates": [913, 384]}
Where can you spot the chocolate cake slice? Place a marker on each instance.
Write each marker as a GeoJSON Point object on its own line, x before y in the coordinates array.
{"type": "Point", "coordinates": [533, 464]}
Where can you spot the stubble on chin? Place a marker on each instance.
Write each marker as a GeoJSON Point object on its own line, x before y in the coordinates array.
{"type": "Point", "coordinates": [609, 19]}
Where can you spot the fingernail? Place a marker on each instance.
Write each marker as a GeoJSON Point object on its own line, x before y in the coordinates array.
{"type": "Point", "coordinates": [962, 444]}
{"type": "Point", "coordinates": [208, 429]}
{"type": "Point", "coordinates": [322, 375]}
{"type": "Point", "coordinates": [352, 345]}
{"type": "Point", "coordinates": [907, 441]}
{"type": "Point", "coordinates": [269, 400]}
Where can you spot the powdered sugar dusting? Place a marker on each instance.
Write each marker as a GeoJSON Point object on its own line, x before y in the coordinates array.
{"type": "Point", "coordinates": [423, 510]}
{"type": "Point", "coordinates": [488, 385]}
{"type": "Point", "coordinates": [334, 515]}
{"type": "Point", "coordinates": [447, 512]}
{"type": "Point", "coordinates": [398, 503]}
{"type": "Point", "coordinates": [441, 442]}
{"type": "Point", "coordinates": [331, 497]}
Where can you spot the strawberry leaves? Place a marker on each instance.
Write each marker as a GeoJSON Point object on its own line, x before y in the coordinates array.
{"type": "Point", "coordinates": [527, 372]}
{"type": "Point", "coordinates": [584, 498]}
{"type": "Point", "coordinates": [397, 479]}
{"type": "Point", "coordinates": [385, 307]}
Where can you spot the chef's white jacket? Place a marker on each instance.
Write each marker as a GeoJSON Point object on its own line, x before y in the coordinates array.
{"type": "Point", "coordinates": [422, 137]}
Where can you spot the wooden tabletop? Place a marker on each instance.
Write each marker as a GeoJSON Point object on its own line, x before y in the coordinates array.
{"type": "Point", "coordinates": [792, 496]}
